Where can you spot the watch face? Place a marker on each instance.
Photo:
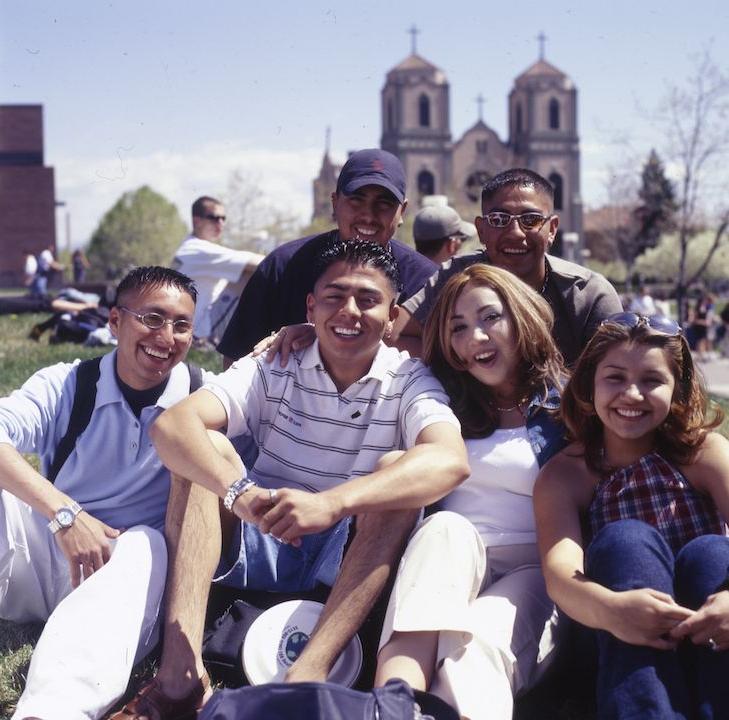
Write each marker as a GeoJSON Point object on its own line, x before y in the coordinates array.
{"type": "Point", "coordinates": [65, 517]}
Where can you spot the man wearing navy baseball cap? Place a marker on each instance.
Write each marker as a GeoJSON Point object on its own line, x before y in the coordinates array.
{"type": "Point", "coordinates": [368, 204]}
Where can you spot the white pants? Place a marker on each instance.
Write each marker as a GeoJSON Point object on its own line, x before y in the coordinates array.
{"type": "Point", "coordinates": [95, 633]}
{"type": "Point", "coordinates": [496, 624]}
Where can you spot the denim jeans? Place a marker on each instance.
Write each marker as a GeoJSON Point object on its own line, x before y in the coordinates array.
{"type": "Point", "coordinates": [256, 561]}
{"type": "Point", "coordinates": [635, 681]}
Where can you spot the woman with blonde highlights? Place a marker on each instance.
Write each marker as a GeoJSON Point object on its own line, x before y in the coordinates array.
{"type": "Point", "coordinates": [469, 618]}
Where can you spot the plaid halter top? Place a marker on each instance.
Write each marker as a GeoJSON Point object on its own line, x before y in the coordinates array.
{"type": "Point", "coordinates": [653, 491]}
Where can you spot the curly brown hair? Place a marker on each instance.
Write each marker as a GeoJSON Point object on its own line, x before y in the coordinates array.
{"type": "Point", "coordinates": [541, 367]}
{"type": "Point", "coordinates": [689, 419]}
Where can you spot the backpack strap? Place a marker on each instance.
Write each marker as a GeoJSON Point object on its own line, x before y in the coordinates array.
{"type": "Point", "coordinates": [196, 380]}
{"type": "Point", "coordinates": [87, 375]}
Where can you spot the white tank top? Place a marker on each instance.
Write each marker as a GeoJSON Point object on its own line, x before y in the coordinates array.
{"type": "Point", "coordinates": [497, 497]}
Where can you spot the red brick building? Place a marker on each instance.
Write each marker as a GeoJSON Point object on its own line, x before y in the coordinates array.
{"type": "Point", "coordinates": [27, 193]}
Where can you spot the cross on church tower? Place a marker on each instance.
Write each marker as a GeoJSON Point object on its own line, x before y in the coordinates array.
{"type": "Point", "coordinates": [542, 38]}
{"type": "Point", "coordinates": [480, 101]}
{"type": "Point", "coordinates": [414, 32]}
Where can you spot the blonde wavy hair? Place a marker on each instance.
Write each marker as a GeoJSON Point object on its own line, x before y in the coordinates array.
{"type": "Point", "coordinates": [541, 364]}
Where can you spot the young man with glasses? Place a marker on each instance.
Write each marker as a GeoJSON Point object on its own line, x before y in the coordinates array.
{"type": "Point", "coordinates": [86, 551]}
{"type": "Point", "coordinates": [517, 229]}
{"type": "Point", "coordinates": [211, 265]}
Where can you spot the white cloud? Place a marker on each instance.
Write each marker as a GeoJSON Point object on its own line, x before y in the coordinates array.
{"type": "Point", "coordinates": [91, 185]}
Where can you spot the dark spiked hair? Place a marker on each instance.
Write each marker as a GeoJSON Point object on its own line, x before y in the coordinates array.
{"type": "Point", "coordinates": [144, 277]}
{"type": "Point", "coordinates": [516, 177]}
{"type": "Point", "coordinates": [359, 253]}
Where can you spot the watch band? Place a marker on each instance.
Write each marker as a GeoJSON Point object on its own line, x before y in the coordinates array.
{"type": "Point", "coordinates": [239, 487]}
{"type": "Point", "coordinates": [54, 525]}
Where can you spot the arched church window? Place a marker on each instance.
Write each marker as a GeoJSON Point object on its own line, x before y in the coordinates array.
{"type": "Point", "coordinates": [424, 111]}
{"type": "Point", "coordinates": [519, 119]}
{"type": "Point", "coordinates": [482, 147]}
{"type": "Point", "coordinates": [556, 181]}
{"type": "Point", "coordinates": [426, 183]}
{"type": "Point", "coordinates": [554, 114]}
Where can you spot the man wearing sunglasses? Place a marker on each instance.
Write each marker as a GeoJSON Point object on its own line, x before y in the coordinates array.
{"type": "Point", "coordinates": [85, 550]}
{"type": "Point", "coordinates": [210, 264]}
{"type": "Point", "coordinates": [517, 229]}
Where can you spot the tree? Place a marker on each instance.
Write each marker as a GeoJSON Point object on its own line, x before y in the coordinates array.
{"type": "Point", "coordinates": [655, 215]}
{"type": "Point", "coordinates": [142, 228]}
{"type": "Point", "coordinates": [253, 222]}
{"type": "Point", "coordinates": [696, 121]}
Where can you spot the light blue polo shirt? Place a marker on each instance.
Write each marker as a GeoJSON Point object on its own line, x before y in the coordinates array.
{"type": "Point", "coordinates": [114, 473]}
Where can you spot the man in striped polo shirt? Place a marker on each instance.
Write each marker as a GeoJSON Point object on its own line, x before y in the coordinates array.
{"type": "Point", "coordinates": [349, 428]}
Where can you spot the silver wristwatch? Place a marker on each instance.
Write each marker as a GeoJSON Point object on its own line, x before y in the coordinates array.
{"type": "Point", "coordinates": [235, 490]}
{"type": "Point", "coordinates": [64, 517]}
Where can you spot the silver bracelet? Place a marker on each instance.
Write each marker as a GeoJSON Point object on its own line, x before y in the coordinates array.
{"type": "Point", "coordinates": [239, 487]}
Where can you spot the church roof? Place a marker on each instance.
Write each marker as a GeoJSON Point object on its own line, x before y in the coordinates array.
{"type": "Point", "coordinates": [415, 62]}
{"type": "Point", "coordinates": [541, 70]}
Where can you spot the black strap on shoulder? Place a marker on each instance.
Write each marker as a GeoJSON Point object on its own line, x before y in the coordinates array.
{"type": "Point", "coordinates": [195, 376]}
{"type": "Point", "coordinates": [87, 375]}
{"type": "Point", "coordinates": [84, 399]}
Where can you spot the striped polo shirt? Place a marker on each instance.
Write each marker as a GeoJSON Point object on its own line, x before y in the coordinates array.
{"type": "Point", "coordinates": [312, 437]}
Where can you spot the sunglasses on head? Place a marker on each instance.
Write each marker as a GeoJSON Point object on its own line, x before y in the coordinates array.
{"type": "Point", "coordinates": [657, 323]}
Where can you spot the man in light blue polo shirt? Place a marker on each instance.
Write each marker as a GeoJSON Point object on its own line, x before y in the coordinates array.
{"type": "Point", "coordinates": [87, 553]}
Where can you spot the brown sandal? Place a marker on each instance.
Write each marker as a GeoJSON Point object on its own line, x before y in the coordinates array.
{"type": "Point", "coordinates": [150, 703]}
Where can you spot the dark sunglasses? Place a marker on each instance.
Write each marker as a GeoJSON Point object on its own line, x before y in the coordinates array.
{"type": "Point", "coordinates": [215, 218]}
{"type": "Point", "coordinates": [658, 323]}
{"type": "Point", "coordinates": [526, 220]}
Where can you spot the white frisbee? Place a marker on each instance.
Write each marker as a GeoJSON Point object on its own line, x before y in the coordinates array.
{"type": "Point", "coordinates": [277, 636]}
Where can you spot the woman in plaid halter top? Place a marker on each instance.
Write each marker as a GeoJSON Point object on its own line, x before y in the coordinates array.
{"type": "Point", "coordinates": [631, 519]}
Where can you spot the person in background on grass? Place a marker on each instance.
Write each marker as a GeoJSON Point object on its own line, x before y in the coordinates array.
{"type": "Point", "coordinates": [701, 324]}
{"type": "Point", "coordinates": [30, 268]}
{"type": "Point", "coordinates": [48, 266]}
{"type": "Point", "coordinates": [326, 427]}
{"type": "Point", "coordinates": [650, 482]}
{"type": "Point", "coordinates": [210, 264]}
{"type": "Point", "coordinates": [86, 552]}
{"type": "Point", "coordinates": [469, 617]}
{"type": "Point", "coordinates": [80, 264]}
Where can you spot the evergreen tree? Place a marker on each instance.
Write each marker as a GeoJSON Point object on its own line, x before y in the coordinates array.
{"type": "Point", "coordinates": [142, 228]}
{"type": "Point", "coordinates": [655, 215]}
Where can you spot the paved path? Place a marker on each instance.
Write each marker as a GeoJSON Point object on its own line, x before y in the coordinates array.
{"type": "Point", "coordinates": [716, 373]}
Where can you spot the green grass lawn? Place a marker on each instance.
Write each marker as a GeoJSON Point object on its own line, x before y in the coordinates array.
{"type": "Point", "coordinates": [19, 358]}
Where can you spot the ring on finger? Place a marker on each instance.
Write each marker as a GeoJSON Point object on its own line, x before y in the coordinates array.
{"type": "Point", "coordinates": [713, 645]}
{"type": "Point", "coordinates": [272, 494]}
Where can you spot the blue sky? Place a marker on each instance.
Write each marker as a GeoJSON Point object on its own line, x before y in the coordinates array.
{"type": "Point", "coordinates": [163, 94]}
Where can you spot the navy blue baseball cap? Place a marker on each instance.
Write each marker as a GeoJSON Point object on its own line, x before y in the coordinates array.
{"type": "Point", "coordinates": [372, 167]}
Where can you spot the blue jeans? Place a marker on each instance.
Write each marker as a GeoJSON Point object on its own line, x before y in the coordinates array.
{"type": "Point", "coordinates": [256, 561]}
{"type": "Point", "coordinates": [641, 682]}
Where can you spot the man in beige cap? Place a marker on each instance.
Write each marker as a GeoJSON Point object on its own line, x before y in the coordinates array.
{"type": "Point", "coordinates": [439, 232]}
